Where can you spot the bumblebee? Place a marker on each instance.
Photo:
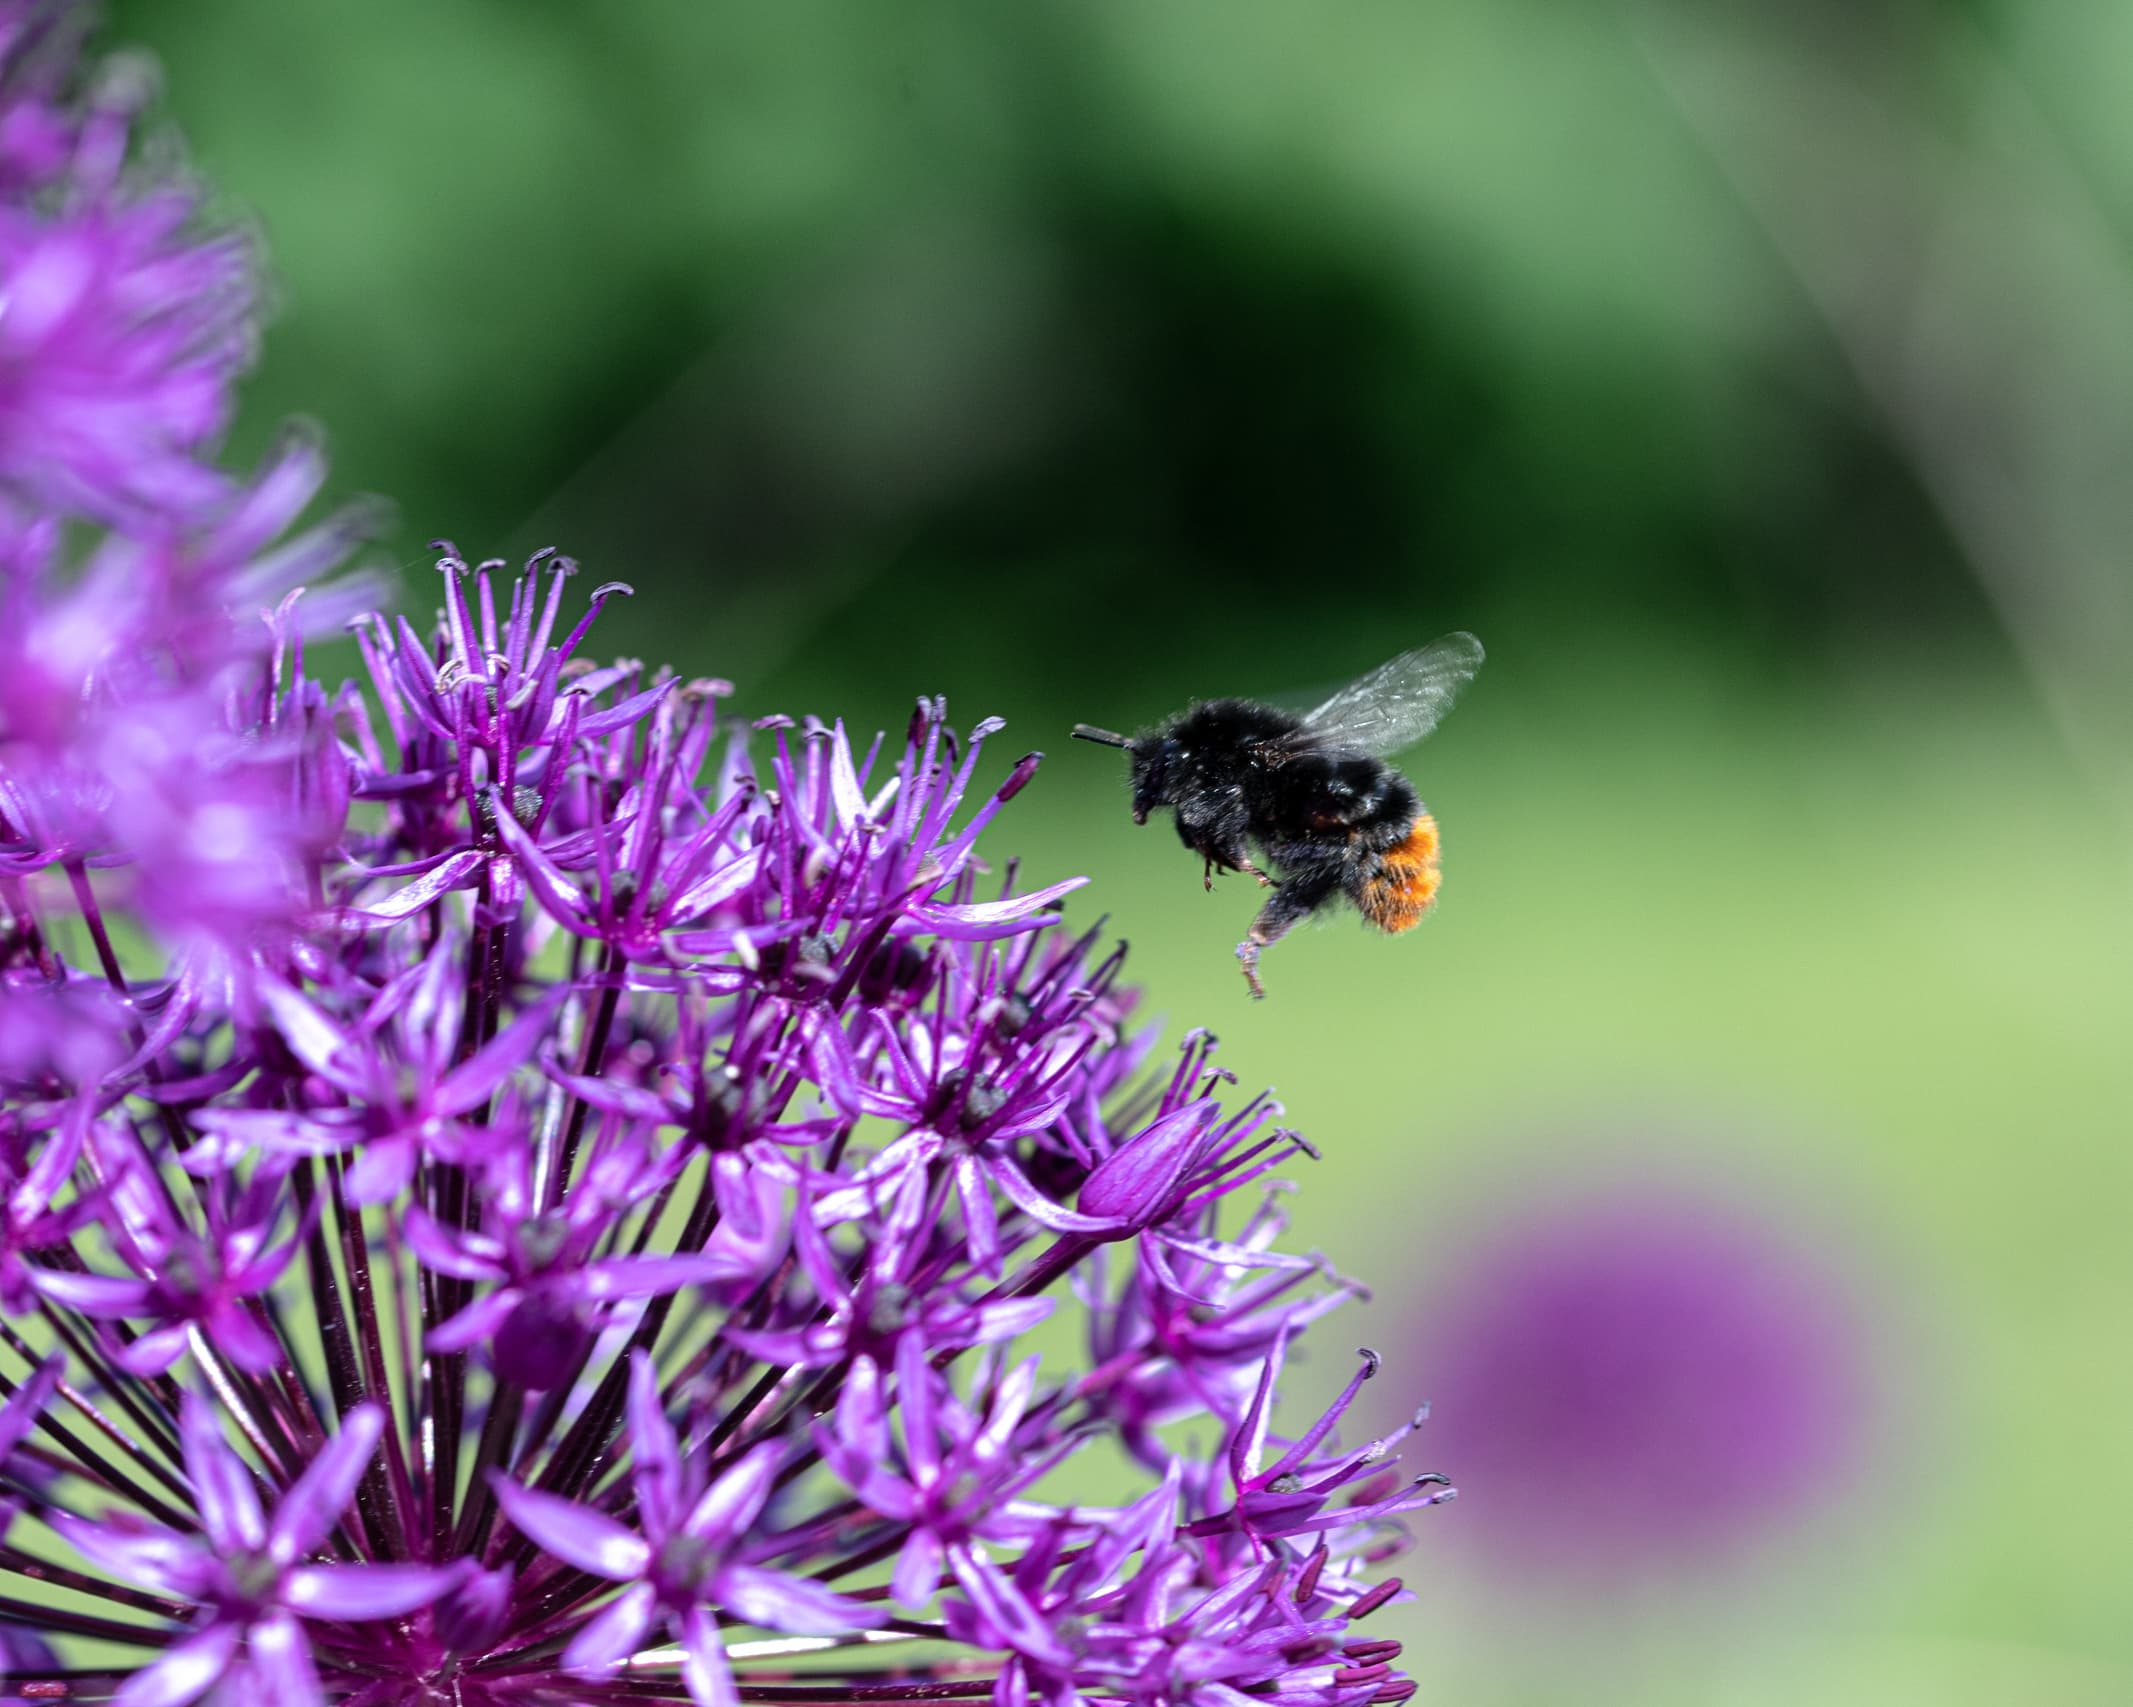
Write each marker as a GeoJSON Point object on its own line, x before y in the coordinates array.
{"type": "Point", "coordinates": [1312, 793]}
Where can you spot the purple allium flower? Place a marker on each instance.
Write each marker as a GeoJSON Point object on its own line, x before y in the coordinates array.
{"type": "Point", "coordinates": [1648, 1378]}
{"type": "Point", "coordinates": [125, 318]}
{"type": "Point", "coordinates": [520, 1190]}
{"type": "Point", "coordinates": [603, 1223]}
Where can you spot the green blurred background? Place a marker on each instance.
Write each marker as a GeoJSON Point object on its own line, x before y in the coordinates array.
{"type": "Point", "coordinates": [1756, 380]}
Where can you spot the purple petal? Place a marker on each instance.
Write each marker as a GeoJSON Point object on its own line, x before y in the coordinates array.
{"type": "Point", "coordinates": [616, 1633]}
{"type": "Point", "coordinates": [476, 1323]}
{"type": "Point", "coordinates": [470, 1618]}
{"type": "Point", "coordinates": [184, 1674]}
{"type": "Point", "coordinates": [315, 1501]}
{"type": "Point", "coordinates": [916, 1385]}
{"type": "Point", "coordinates": [632, 1101]}
{"type": "Point", "coordinates": [990, 1323]}
{"type": "Point", "coordinates": [357, 1592]}
{"type": "Point", "coordinates": [792, 1604]}
{"type": "Point", "coordinates": [862, 1413]}
{"type": "Point", "coordinates": [703, 1667]}
{"type": "Point", "coordinates": [154, 1352]}
{"type": "Point", "coordinates": [54, 1162]}
{"type": "Point", "coordinates": [313, 1038]}
{"type": "Point", "coordinates": [383, 1169]}
{"type": "Point", "coordinates": [559, 897]}
{"type": "Point", "coordinates": [1004, 1607]}
{"type": "Point", "coordinates": [623, 713]}
{"type": "Point", "coordinates": [154, 1559]}
{"type": "Point", "coordinates": [844, 781]}
{"type": "Point", "coordinates": [1009, 1402]}
{"type": "Point", "coordinates": [730, 1504]}
{"type": "Point", "coordinates": [445, 1252]}
{"type": "Point", "coordinates": [657, 1467]}
{"type": "Point", "coordinates": [981, 1221]}
{"type": "Point", "coordinates": [229, 1325]}
{"type": "Point", "coordinates": [647, 1277]}
{"type": "Point", "coordinates": [918, 1571]}
{"type": "Point", "coordinates": [222, 1482]}
{"type": "Point", "coordinates": [721, 885]}
{"type": "Point", "coordinates": [973, 919]}
{"type": "Point", "coordinates": [25, 1406]}
{"type": "Point", "coordinates": [272, 1129]}
{"type": "Point", "coordinates": [407, 901]}
{"type": "Point", "coordinates": [1018, 1190]}
{"type": "Point", "coordinates": [574, 1533]}
{"type": "Point", "coordinates": [281, 1658]}
{"type": "Point", "coordinates": [797, 1347]}
{"type": "Point", "coordinates": [471, 1083]}
{"type": "Point", "coordinates": [93, 1294]}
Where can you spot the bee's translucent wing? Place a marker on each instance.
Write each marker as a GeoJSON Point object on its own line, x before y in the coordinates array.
{"type": "Point", "coordinates": [1397, 703]}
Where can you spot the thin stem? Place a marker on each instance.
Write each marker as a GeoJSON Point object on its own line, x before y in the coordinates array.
{"type": "Point", "coordinates": [589, 1065]}
{"type": "Point", "coordinates": [392, 1480]}
{"type": "Point", "coordinates": [54, 1621]}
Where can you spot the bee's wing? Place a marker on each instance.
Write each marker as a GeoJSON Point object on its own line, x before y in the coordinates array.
{"type": "Point", "coordinates": [1399, 702]}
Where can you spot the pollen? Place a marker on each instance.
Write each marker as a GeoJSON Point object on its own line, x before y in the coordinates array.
{"type": "Point", "coordinates": [1396, 895]}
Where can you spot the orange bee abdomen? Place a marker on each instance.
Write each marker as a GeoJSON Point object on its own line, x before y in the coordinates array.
{"type": "Point", "coordinates": [1403, 883]}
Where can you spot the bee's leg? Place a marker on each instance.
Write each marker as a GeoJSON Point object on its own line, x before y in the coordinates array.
{"type": "Point", "coordinates": [1243, 864]}
{"type": "Point", "coordinates": [1219, 851]}
{"type": "Point", "coordinates": [1294, 898]}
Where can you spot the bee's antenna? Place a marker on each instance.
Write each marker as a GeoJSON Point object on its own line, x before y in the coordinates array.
{"type": "Point", "coordinates": [1103, 737]}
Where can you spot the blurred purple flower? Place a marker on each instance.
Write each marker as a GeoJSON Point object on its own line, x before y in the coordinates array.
{"type": "Point", "coordinates": [1647, 1379]}
{"type": "Point", "coordinates": [125, 317]}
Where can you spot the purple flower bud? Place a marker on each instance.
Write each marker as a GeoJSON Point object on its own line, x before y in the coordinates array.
{"type": "Point", "coordinates": [1143, 1181]}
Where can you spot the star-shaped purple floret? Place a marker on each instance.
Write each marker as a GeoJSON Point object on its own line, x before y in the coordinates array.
{"type": "Point", "coordinates": [259, 1576]}
{"type": "Point", "coordinates": [685, 1560]}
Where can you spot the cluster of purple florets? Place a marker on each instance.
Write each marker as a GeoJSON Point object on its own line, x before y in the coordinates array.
{"type": "Point", "coordinates": [520, 1188]}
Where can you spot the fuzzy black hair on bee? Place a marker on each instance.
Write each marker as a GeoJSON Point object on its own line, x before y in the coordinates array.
{"type": "Point", "coordinates": [1311, 793]}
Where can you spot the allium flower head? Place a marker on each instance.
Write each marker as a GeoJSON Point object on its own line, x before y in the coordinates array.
{"type": "Point", "coordinates": [590, 1248]}
{"type": "Point", "coordinates": [516, 1188]}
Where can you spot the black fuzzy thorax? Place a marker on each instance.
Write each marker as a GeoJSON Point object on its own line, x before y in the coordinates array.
{"type": "Point", "coordinates": [1236, 772]}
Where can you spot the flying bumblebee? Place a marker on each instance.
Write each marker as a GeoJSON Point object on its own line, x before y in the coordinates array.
{"type": "Point", "coordinates": [1313, 793]}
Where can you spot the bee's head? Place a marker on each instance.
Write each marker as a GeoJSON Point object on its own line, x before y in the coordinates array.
{"type": "Point", "coordinates": [1154, 763]}
{"type": "Point", "coordinates": [1151, 758]}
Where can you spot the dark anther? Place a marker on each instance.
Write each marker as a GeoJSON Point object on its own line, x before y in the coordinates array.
{"type": "Point", "coordinates": [889, 1311]}
{"type": "Point", "coordinates": [980, 1103]}
{"type": "Point", "coordinates": [896, 970]}
{"type": "Point", "coordinates": [718, 1107]}
{"type": "Point", "coordinates": [971, 1100]}
{"type": "Point", "coordinates": [541, 1239]}
{"type": "Point", "coordinates": [789, 954]}
{"type": "Point", "coordinates": [1014, 1014]}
